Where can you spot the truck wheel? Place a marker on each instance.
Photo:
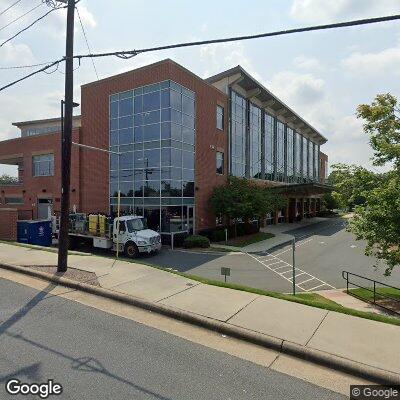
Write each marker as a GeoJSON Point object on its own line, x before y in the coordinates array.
{"type": "Point", "coordinates": [131, 250]}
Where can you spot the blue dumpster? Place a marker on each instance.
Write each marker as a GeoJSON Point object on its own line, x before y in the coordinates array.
{"type": "Point", "coordinates": [35, 232]}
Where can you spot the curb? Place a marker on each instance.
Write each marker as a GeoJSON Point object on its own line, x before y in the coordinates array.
{"type": "Point", "coordinates": [292, 349]}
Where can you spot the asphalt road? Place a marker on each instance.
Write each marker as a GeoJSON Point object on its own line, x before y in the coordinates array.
{"type": "Point", "coordinates": [323, 251]}
{"type": "Point", "coordinates": [96, 355]}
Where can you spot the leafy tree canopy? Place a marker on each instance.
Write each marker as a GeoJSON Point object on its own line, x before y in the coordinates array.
{"type": "Point", "coordinates": [8, 179]}
{"type": "Point", "coordinates": [352, 183]}
{"type": "Point", "coordinates": [378, 220]}
{"type": "Point", "coordinates": [241, 198]}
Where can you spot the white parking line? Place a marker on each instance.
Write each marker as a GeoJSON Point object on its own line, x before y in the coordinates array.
{"type": "Point", "coordinates": [315, 287]}
{"type": "Point", "coordinates": [277, 262]}
{"type": "Point", "coordinates": [298, 272]}
{"type": "Point", "coordinates": [307, 280]}
{"type": "Point", "coordinates": [298, 244]}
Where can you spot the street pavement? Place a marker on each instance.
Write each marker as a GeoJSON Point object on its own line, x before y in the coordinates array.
{"type": "Point", "coordinates": [349, 337]}
{"type": "Point", "coordinates": [324, 249]}
{"type": "Point", "coordinates": [96, 355]}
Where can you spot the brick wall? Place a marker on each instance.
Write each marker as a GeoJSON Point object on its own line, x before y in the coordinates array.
{"type": "Point", "coordinates": [39, 187]}
{"type": "Point", "coordinates": [95, 132]}
{"type": "Point", "coordinates": [8, 224]}
{"type": "Point", "coordinates": [323, 159]}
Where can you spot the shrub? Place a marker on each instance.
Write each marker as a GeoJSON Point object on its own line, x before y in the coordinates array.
{"type": "Point", "coordinates": [217, 235]}
{"type": "Point", "coordinates": [196, 241]}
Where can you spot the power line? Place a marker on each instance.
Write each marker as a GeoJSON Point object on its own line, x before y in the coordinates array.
{"type": "Point", "coordinates": [87, 42]}
{"type": "Point", "coordinates": [32, 74]}
{"type": "Point", "coordinates": [132, 53]}
{"type": "Point", "coordinates": [30, 25]}
{"type": "Point", "coordinates": [12, 5]}
{"type": "Point", "coordinates": [26, 66]}
{"type": "Point", "coordinates": [21, 16]}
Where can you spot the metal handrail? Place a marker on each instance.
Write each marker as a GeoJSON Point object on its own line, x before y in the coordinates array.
{"type": "Point", "coordinates": [345, 275]}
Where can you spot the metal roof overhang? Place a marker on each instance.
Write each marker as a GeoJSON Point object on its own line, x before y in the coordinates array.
{"type": "Point", "coordinates": [254, 89]}
{"type": "Point", "coordinates": [304, 189]}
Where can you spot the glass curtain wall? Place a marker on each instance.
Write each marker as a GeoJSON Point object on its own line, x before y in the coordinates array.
{"type": "Point", "coordinates": [238, 144]}
{"type": "Point", "coordinates": [255, 141]}
{"type": "Point", "coordinates": [316, 162]}
{"type": "Point", "coordinates": [310, 160]}
{"type": "Point", "coordinates": [305, 158]}
{"type": "Point", "coordinates": [153, 127]}
{"type": "Point", "coordinates": [290, 154]}
{"type": "Point", "coordinates": [269, 147]}
{"type": "Point", "coordinates": [280, 152]}
{"type": "Point", "coordinates": [298, 156]}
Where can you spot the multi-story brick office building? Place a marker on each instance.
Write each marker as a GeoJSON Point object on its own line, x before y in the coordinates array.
{"type": "Point", "coordinates": [174, 137]}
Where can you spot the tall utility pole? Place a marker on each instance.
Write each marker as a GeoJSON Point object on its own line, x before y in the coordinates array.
{"type": "Point", "coordinates": [66, 140]}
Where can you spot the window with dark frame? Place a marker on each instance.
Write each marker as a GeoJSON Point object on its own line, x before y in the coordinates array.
{"type": "Point", "coordinates": [43, 165]}
{"type": "Point", "coordinates": [220, 163]}
{"type": "Point", "coordinates": [220, 117]}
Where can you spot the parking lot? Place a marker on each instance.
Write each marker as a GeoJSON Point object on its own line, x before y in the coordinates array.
{"type": "Point", "coordinates": [323, 251]}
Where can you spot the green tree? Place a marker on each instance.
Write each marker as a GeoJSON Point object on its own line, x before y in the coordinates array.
{"type": "Point", "coordinates": [351, 184]}
{"type": "Point", "coordinates": [242, 199]}
{"type": "Point", "coordinates": [378, 220]}
{"type": "Point", "coordinates": [329, 201]}
{"type": "Point", "coordinates": [8, 179]}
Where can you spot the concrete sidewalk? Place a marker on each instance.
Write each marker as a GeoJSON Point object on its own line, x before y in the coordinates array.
{"type": "Point", "coordinates": [279, 239]}
{"type": "Point", "coordinates": [364, 341]}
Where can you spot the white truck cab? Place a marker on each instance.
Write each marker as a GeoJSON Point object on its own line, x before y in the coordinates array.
{"type": "Point", "coordinates": [131, 235]}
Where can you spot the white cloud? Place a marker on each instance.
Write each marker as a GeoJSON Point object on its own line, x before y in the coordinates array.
{"type": "Point", "coordinates": [295, 88]}
{"type": "Point", "coordinates": [16, 53]}
{"type": "Point", "coordinates": [305, 62]}
{"type": "Point", "coordinates": [87, 17]}
{"type": "Point", "coordinates": [387, 60]}
{"type": "Point", "coordinates": [314, 11]}
{"type": "Point", "coordinates": [219, 57]}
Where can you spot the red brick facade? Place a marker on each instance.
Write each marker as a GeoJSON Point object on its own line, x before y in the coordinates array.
{"type": "Point", "coordinates": [95, 132]}
{"type": "Point", "coordinates": [33, 188]}
{"type": "Point", "coordinates": [323, 159]}
{"type": "Point", "coordinates": [90, 168]}
{"type": "Point", "coordinates": [8, 224]}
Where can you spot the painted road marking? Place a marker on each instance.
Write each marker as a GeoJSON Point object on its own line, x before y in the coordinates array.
{"type": "Point", "coordinates": [298, 244]}
{"type": "Point", "coordinates": [298, 271]}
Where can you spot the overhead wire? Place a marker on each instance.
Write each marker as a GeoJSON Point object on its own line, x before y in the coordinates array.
{"type": "Point", "coordinates": [31, 74]}
{"type": "Point", "coordinates": [132, 53]}
{"type": "Point", "coordinates": [30, 25]}
{"type": "Point", "coordinates": [21, 16]}
{"type": "Point", "coordinates": [86, 40]}
{"type": "Point", "coordinates": [12, 5]}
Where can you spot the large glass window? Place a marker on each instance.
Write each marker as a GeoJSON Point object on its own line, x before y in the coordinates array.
{"type": "Point", "coordinates": [220, 118]}
{"type": "Point", "coordinates": [238, 145]}
{"type": "Point", "coordinates": [220, 162]}
{"type": "Point", "coordinates": [255, 141]}
{"type": "Point", "coordinates": [305, 159]}
{"type": "Point", "coordinates": [43, 165]}
{"type": "Point", "coordinates": [298, 156]}
{"type": "Point", "coordinates": [290, 154]}
{"type": "Point", "coordinates": [153, 128]}
{"type": "Point", "coordinates": [269, 147]}
{"type": "Point", "coordinates": [310, 160]}
{"type": "Point", "coordinates": [280, 151]}
{"type": "Point", "coordinates": [316, 162]}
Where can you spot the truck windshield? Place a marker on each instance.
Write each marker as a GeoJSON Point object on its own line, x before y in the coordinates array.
{"type": "Point", "coordinates": [137, 224]}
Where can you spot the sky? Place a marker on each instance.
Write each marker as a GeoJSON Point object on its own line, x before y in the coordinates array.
{"type": "Point", "coordinates": [322, 75]}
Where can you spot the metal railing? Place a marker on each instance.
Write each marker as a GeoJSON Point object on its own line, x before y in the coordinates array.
{"type": "Point", "coordinates": [376, 294]}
